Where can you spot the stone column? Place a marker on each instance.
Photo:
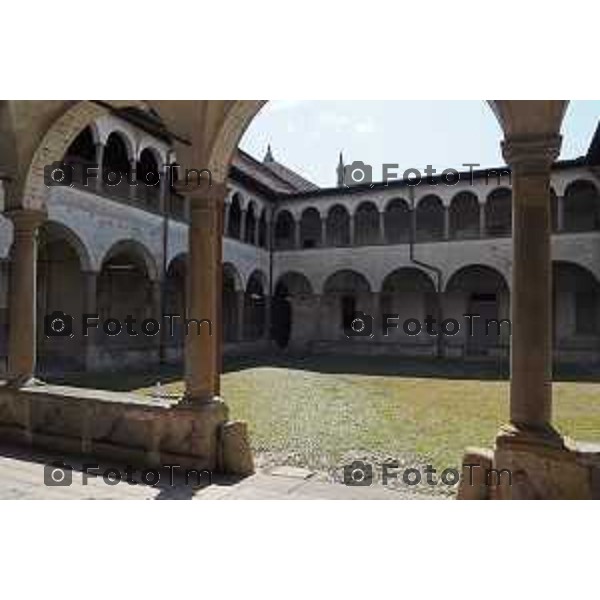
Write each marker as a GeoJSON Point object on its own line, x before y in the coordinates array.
{"type": "Point", "coordinates": [560, 213]}
{"type": "Point", "coordinates": [323, 232]}
{"type": "Point", "coordinates": [204, 291]}
{"type": "Point", "coordinates": [382, 239]}
{"type": "Point", "coordinates": [164, 192]}
{"type": "Point", "coordinates": [134, 194]}
{"type": "Point", "coordinates": [297, 244]}
{"type": "Point", "coordinates": [446, 223]}
{"type": "Point", "coordinates": [530, 159]}
{"type": "Point", "coordinates": [90, 307]}
{"type": "Point", "coordinates": [482, 231]}
{"type": "Point", "coordinates": [351, 228]}
{"type": "Point", "coordinates": [218, 330]}
{"type": "Point", "coordinates": [256, 229]}
{"type": "Point", "coordinates": [242, 225]}
{"type": "Point", "coordinates": [22, 299]}
{"type": "Point", "coordinates": [99, 160]}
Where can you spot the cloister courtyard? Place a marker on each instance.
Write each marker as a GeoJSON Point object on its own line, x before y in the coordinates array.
{"type": "Point", "coordinates": [280, 265]}
{"type": "Point", "coordinates": [321, 413]}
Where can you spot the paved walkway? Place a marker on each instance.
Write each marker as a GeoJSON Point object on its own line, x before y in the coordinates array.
{"type": "Point", "coordinates": [22, 476]}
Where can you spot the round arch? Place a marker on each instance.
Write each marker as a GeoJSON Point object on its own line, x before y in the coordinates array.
{"type": "Point", "coordinates": [310, 228]}
{"type": "Point", "coordinates": [293, 283]}
{"type": "Point", "coordinates": [284, 231]}
{"type": "Point", "coordinates": [430, 218]}
{"type": "Point", "coordinates": [581, 206]}
{"type": "Point", "coordinates": [397, 221]}
{"type": "Point", "coordinates": [498, 212]}
{"type": "Point", "coordinates": [366, 224]}
{"type": "Point", "coordinates": [346, 281]}
{"type": "Point", "coordinates": [477, 275]}
{"type": "Point", "coordinates": [576, 306]}
{"type": "Point", "coordinates": [464, 216]}
{"type": "Point", "coordinates": [407, 279]}
{"type": "Point", "coordinates": [231, 273]}
{"type": "Point", "coordinates": [337, 226]}
{"type": "Point", "coordinates": [61, 286]}
{"type": "Point", "coordinates": [136, 250]}
{"type": "Point", "coordinates": [232, 314]}
{"type": "Point", "coordinates": [255, 299]}
{"type": "Point", "coordinates": [482, 291]}
{"type": "Point", "coordinates": [57, 140]}
{"type": "Point", "coordinates": [56, 230]}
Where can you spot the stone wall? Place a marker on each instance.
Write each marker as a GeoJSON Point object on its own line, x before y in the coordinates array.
{"type": "Point", "coordinates": [134, 430]}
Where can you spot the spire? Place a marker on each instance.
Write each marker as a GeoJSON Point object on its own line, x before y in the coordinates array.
{"type": "Point", "coordinates": [340, 171]}
{"type": "Point", "coordinates": [269, 155]}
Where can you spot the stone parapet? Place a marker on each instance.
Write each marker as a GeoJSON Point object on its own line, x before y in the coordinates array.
{"type": "Point", "coordinates": [134, 430]}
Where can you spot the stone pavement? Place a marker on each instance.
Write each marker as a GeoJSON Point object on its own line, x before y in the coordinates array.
{"type": "Point", "coordinates": [22, 477]}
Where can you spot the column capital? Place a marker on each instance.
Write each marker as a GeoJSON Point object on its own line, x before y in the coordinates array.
{"type": "Point", "coordinates": [25, 219]}
{"type": "Point", "coordinates": [531, 153]}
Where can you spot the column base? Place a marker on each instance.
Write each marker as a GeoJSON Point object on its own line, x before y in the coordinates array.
{"type": "Point", "coordinates": [515, 435]}
{"type": "Point", "coordinates": [22, 381]}
{"type": "Point", "coordinates": [543, 465]}
{"type": "Point", "coordinates": [234, 452]}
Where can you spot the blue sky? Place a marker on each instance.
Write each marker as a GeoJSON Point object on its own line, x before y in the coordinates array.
{"type": "Point", "coordinates": [308, 135]}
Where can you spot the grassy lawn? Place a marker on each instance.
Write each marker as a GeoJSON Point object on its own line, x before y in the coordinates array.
{"type": "Point", "coordinates": [319, 411]}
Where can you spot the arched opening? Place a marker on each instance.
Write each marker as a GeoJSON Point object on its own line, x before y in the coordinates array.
{"type": "Point", "coordinates": [290, 314]}
{"type": "Point", "coordinates": [235, 218]}
{"type": "Point", "coordinates": [481, 291]}
{"type": "Point", "coordinates": [581, 207]}
{"type": "Point", "coordinates": [576, 295]}
{"type": "Point", "coordinates": [338, 226]}
{"type": "Point", "coordinates": [175, 303]}
{"type": "Point", "coordinates": [498, 213]}
{"type": "Point", "coordinates": [344, 293]}
{"type": "Point", "coordinates": [250, 226]}
{"type": "Point", "coordinates": [285, 229]}
{"type": "Point", "coordinates": [255, 307]}
{"type": "Point", "coordinates": [125, 290]}
{"type": "Point", "coordinates": [430, 219]}
{"type": "Point", "coordinates": [116, 166]}
{"type": "Point", "coordinates": [310, 228]}
{"type": "Point", "coordinates": [397, 221]}
{"type": "Point", "coordinates": [464, 216]}
{"type": "Point", "coordinates": [232, 315]}
{"type": "Point", "coordinates": [61, 288]}
{"type": "Point", "coordinates": [148, 180]}
{"type": "Point", "coordinates": [410, 293]}
{"type": "Point", "coordinates": [82, 153]}
{"type": "Point", "coordinates": [366, 225]}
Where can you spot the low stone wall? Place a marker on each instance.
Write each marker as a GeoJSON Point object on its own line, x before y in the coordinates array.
{"type": "Point", "coordinates": [526, 466]}
{"type": "Point", "coordinates": [125, 428]}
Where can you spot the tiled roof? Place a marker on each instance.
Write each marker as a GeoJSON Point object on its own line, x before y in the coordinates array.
{"type": "Point", "coordinates": [274, 175]}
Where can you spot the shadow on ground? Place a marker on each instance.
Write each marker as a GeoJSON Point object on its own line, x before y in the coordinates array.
{"type": "Point", "coordinates": [124, 381]}
{"type": "Point", "coordinates": [173, 484]}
